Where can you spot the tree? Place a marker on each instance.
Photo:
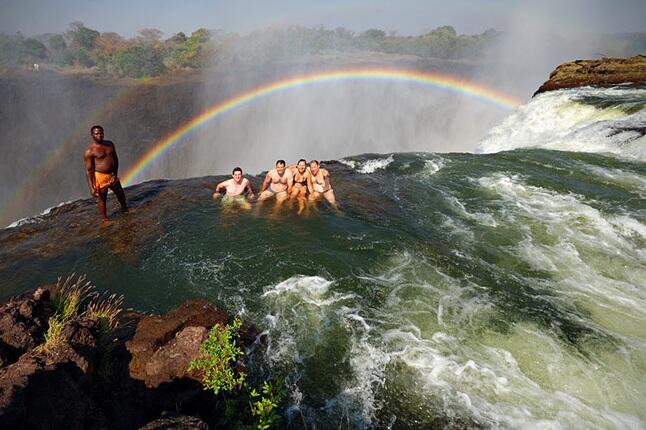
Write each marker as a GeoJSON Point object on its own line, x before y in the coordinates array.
{"type": "Point", "coordinates": [59, 53]}
{"type": "Point", "coordinates": [33, 50]}
{"type": "Point", "coordinates": [374, 34]}
{"type": "Point", "coordinates": [177, 38]}
{"type": "Point", "coordinates": [81, 36]}
{"type": "Point", "coordinates": [149, 35]}
{"type": "Point", "coordinates": [139, 61]}
{"type": "Point", "coordinates": [109, 43]}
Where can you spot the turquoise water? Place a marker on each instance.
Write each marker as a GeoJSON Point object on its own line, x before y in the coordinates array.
{"type": "Point", "coordinates": [468, 290]}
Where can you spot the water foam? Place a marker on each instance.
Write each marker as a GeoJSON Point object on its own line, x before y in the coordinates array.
{"type": "Point", "coordinates": [575, 120]}
{"type": "Point", "coordinates": [368, 166]}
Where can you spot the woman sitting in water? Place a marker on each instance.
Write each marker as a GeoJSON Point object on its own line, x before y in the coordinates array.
{"type": "Point", "coordinates": [319, 183]}
{"type": "Point", "coordinates": [300, 179]}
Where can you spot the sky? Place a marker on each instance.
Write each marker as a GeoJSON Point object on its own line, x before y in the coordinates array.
{"type": "Point", "coordinates": [407, 17]}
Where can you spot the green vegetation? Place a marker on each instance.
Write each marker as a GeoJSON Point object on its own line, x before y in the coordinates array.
{"type": "Point", "coordinates": [147, 54]}
{"type": "Point", "coordinates": [106, 309]}
{"type": "Point", "coordinates": [219, 354]}
{"type": "Point", "coordinates": [264, 406]}
{"type": "Point", "coordinates": [67, 300]}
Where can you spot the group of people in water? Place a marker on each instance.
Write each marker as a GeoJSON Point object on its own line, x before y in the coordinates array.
{"type": "Point", "coordinates": [303, 182]}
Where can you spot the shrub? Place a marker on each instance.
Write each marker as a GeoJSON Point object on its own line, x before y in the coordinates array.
{"type": "Point", "coordinates": [219, 352]}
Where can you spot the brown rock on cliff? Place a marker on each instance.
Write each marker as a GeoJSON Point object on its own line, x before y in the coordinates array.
{"type": "Point", "coordinates": [603, 73]}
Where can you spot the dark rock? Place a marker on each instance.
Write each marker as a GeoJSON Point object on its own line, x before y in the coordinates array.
{"type": "Point", "coordinates": [154, 332]}
{"type": "Point", "coordinates": [172, 360]}
{"type": "Point", "coordinates": [78, 344]}
{"type": "Point", "coordinates": [179, 422]}
{"type": "Point", "coordinates": [23, 322]}
{"type": "Point", "coordinates": [34, 394]}
{"type": "Point", "coordinates": [603, 73]}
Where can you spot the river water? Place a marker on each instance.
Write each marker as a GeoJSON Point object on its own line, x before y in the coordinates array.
{"type": "Point", "coordinates": [503, 289]}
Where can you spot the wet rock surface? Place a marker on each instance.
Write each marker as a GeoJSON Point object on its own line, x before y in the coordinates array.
{"type": "Point", "coordinates": [603, 72]}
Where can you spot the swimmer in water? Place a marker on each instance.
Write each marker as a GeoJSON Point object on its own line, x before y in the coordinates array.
{"type": "Point", "coordinates": [238, 189]}
{"type": "Point", "coordinates": [300, 179]}
{"type": "Point", "coordinates": [277, 183]}
{"type": "Point", "coordinates": [319, 184]}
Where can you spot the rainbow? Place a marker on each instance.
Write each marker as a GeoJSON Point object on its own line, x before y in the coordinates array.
{"type": "Point", "coordinates": [436, 80]}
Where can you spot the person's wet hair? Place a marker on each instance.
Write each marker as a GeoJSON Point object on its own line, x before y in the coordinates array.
{"type": "Point", "coordinates": [95, 127]}
{"type": "Point", "coordinates": [280, 162]}
{"type": "Point", "coordinates": [303, 160]}
{"type": "Point", "coordinates": [314, 162]}
{"type": "Point", "coordinates": [237, 169]}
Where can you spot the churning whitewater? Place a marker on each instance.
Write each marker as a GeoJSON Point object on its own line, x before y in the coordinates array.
{"type": "Point", "coordinates": [505, 289]}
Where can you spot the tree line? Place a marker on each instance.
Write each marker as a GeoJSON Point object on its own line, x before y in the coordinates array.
{"type": "Point", "coordinates": [148, 54]}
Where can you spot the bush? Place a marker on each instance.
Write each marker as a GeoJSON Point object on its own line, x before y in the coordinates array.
{"type": "Point", "coordinates": [219, 352]}
{"type": "Point", "coordinates": [139, 61]}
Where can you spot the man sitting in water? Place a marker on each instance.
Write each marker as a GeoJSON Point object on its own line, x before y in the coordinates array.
{"type": "Point", "coordinates": [101, 169]}
{"type": "Point", "coordinates": [278, 182]}
{"type": "Point", "coordinates": [235, 188]}
{"type": "Point", "coordinates": [319, 184]}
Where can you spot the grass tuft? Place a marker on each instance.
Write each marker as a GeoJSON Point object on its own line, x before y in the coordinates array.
{"type": "Point", "coordinates": [68, 299]}
{"type": "Point", "coordinates": [106, 309]}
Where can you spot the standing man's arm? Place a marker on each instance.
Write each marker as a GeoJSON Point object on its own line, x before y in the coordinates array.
{"type": "Point", "coordinates": [115, 160]}
{"type": "Point", "coordinates": [89, 171]}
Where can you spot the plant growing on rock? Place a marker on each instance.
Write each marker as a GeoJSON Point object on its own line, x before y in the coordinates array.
{"type": "Point", "coordinates": [106, 309]}
{"type": "Point", "coordinates": [264, 406]}
{"type": "Point", "coordinates": [219, 352]}
{"type": "Point", "coordinates": [66, 300]}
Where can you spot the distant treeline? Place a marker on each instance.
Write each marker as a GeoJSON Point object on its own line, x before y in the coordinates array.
{"type": "Point", "coordinates": [147, 54]}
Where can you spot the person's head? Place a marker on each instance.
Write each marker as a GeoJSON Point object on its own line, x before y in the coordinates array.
{"type": "Point", "coordinates": [237, 174]}
{"type": "Point", "coordinates": [314, 167]}
{"type": "Point", "coordinates": [97, 133]}
{"type": "Point", "coordinates": [280, 167]}
{"type": "Point", "coordinates": [301, 165]}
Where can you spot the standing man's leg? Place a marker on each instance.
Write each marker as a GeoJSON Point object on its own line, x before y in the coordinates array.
{"type": "Point", "coordinates": [101, 199]}
{"type": "Point", "coordinates": [121, 196]}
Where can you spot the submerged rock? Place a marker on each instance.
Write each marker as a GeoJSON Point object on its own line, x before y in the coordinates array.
{"type": "Point", "coordinates": [603, 73]}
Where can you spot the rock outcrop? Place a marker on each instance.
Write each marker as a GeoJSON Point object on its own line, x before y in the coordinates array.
{"type": "Point", "coordinates": [603, 73]}
{"type": "Point", "coordinates": [123, 379]}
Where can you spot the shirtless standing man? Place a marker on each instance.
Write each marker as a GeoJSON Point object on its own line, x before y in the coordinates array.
{"type": "Point", "coordinates": [235, 188]}
{"type": "Point", "coordinates": [319, 184]}
{"type": "Point", "coordinates": [278, 182]}
{"type": "Point", "coordinates": [101, 169]}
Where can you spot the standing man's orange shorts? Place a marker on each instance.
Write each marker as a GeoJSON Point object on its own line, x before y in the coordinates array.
{"type": "Point", "coordinates": [104, 180]}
